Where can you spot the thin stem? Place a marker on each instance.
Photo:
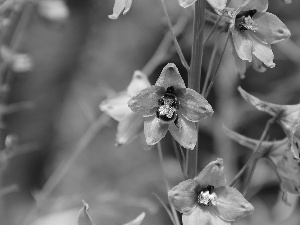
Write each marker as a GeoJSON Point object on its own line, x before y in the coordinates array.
{"type": "Point", "coordinates": [176, 44]}
{"type": "Point", "coordinates": [218, 66]}
{"type": "Point", "coordinates": [161, 52]}
{"type": "Point", "coordinates": [263, 136]}
{"type": "Point", "coordinates": [166, 208]}
{"type": "Point", "coordinates": [250, 176]}
{"type": "Point", "coordinates": [161, 160]}
{"type": "Point", "coordinates": [212, 30]}
{"type": "Point", "coordinates": [179, 159]}
{"type": "Point", "coordinates": [210, 67]}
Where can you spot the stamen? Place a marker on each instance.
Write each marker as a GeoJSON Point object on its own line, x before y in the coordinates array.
{"type": "Point", "coordinates": [207, 197]}
{"type": "Point", "coordinates": [167, 106]}
{"type": "Point", "coordinates": [244, 21]}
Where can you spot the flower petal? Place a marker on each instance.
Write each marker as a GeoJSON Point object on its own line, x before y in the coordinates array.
{"type": "Point", "coordinates": [119, 6]}
{"type": "Point", "coordinates": [183, 196]}
{"type": "Point", "coordinates": [270, 28]}
{"type": "Point", "coordinates": [145, 103]}
{"type": "Point", "coordinates": [259, 5]}
{"type": "Point", "coordinates": [138, 82]}
{"type": "Point", "coordinates": [154, 130]}
{"type": "Point", "coordinates": [267, 107]}
{"type": "Point", "coordinates": [212, 175]}
{"type": "Point", "coordinates": [231, 204]}
{"type": "Point", "coordinates": [257, 65]}
{"type": "Point", "coordinates": [202, 216]}
{"type": "Point", "coordinates": [185, 134]}
{"type": "Point", "coordinates": [186, 3]}
{"type": "Point", "coordinates": [194, 106]}
{"type": "Point", "coordinates": [116, 106]}
{"type": "Point", "coordinates": [129, 128]}
{"type": "Point", "coordinates": [170, 76]}
{"type": "Point", "coordinates": [218, 4]}
{"type": "Point", "coordinates": [243, 45]}
{"type": "Point", "coordinates": [262, 51]}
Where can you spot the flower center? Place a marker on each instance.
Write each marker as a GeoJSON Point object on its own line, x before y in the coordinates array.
{"type": "Point", "coordinates": [167, 106]}
{"type": "Point", "coordinates": [244, 21]}
{"type": "Point", "coordinates": [207, 197]}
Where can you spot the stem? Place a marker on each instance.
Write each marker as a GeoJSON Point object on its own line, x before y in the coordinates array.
{"type": "Point", "coordinates": [179, 159]}
{"type": "Point", "coordinates": [176, 44]}
{"type": "Point", "coordinates": [218, 66]}
{"type": "Point", "coordinates": [212, 30]}
{"type": "Point", "coordinates": [210, 67]}
{"type": "Point", "coordinates": [194, 81]}
{"type": "Point", "coordinates": [161, 160]}
{"type": "Point", "coordinates": [263, 136]}
{"type": "Point", "coordinates": [250, 176]}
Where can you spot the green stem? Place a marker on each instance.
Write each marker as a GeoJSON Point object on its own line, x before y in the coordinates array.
{"type": "Point", "coordinates": [263, 136]}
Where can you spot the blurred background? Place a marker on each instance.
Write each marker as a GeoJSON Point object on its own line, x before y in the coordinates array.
{"type": "Point", "coordinates": [58, 147]}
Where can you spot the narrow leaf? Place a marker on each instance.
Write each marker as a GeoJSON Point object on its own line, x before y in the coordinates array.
{"type": "Point", "coordinates": [84, 218]}
{"type": "Point", "coordinates": [138, 220]}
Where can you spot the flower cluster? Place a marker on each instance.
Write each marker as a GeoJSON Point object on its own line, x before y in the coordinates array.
{"type": "Point", "coordinates": [169, 105]}
{"type": "Point", "coordinates": [207, 200]}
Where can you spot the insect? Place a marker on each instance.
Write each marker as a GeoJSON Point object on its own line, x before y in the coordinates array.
{"type": "Point", "coordinates": [168, 105]}
{"type": "Point", "coordinates": [243, 21]}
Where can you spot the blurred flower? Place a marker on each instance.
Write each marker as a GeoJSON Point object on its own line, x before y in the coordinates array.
{"type": "Point", "coordinates": [55, 10]}
{"type": "Point", "coordinates": [84, 217]}
{"type": "Point", "coordinates": [216, 4]}
{"type": "Point", "coordinates": [287, 1]}
{"type": "Point", "coordinates": [207, 200]}
{"type": "Point", "coordinates": [19, 62]}
{"type": "Point", "coordinates": [254, 30]}
{"type": "Point", "coordinates": [288, 116]}
{"type": "Point", "coordinates": [169, 105]}
{"type": "Point", "coordinates": [279, 156]}
{"type": "Point", "coordinates": [138, 220]}
{"type": "Point", "coordinates": [119, 7]}
{"type": "Point", "coordinates": [130, 123]}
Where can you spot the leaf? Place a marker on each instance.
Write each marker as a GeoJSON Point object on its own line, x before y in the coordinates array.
{"type": "Point", "coordinates": [84, 218]}
{"type": "Point", "coordinates": [138, 220]}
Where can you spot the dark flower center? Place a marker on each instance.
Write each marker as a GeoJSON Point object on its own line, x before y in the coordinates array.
{"type": "Point", "coordinates": [243, 20]}
{"type": "Point", "coordinates": [168, 105]}
{"type": "Point", "coordinates": [207, 197]}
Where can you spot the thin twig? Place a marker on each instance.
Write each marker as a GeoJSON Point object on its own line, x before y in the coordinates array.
{"type": "Point", "coordinates": [179, 159]}
{"type": "Point", "coordinates": [250, 176]}
{"type": "Point", "coordinates": [212, 30]}
{"type": "Point", "coordinates": [176, 44]}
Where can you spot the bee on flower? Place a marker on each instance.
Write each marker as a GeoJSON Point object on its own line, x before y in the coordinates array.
{"type": "Point", "coordinates": [169, 105]}
{"type": "Point", "coordinates": [207, 200]}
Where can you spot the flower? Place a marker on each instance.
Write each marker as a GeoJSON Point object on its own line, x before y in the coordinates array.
{"type": "Point", "coordinates": [279, 156]}
{"type": "Point", "coordinates": [130, 123]}
{"type": "Point", "coordinates": [288, 116]}
{"type": "Point", "coordinates": [169, 105]}
{"type": "Point", "coordinates": [216, 4]}
{"type": "Point", "coordinates": [119, 7]}
{"type": "Point", "coordinates": [254, 30]}
{"type": "Point", "coordinates": [207, 200]}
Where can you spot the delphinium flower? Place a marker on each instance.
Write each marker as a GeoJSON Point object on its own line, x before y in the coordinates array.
{"type": "Point", "coordinates": [130, 123]}
{"type": "Point", "coordinates": [216, 4]}
{"type": "Point", "coordinates": [288, 116]}
{"type": "Point", "coordinates": [254, 30]}
{"type": "Point", "coordinates": [169, 105]}
{"type": "Point", "coordinates": [278, 155]}
{"type": "Point", "coordinates": [207, 200]}
{"type": "Point", "coordinates": [119, 7]}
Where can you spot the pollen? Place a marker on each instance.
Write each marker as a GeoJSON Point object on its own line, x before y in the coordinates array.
{"type": "Point", "coordinates": [206, 198]}
{"type": "Point", "coordinates": [166, 110]}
